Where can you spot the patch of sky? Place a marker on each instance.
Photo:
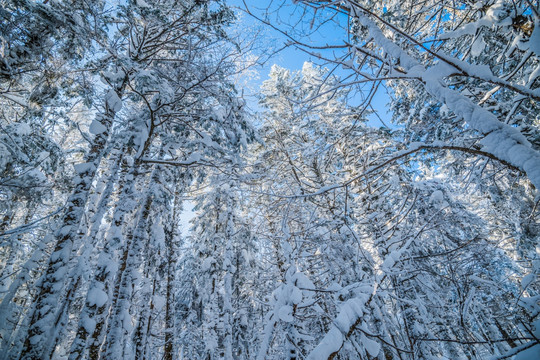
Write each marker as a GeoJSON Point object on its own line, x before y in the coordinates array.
{"type": "Point", "coordinates": [188, 213]}
{"type": "Point", "coordinates": [276, 45]}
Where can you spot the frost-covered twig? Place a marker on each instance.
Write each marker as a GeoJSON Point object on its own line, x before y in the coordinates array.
{"type": "Point", "coordinates": [30, 225]}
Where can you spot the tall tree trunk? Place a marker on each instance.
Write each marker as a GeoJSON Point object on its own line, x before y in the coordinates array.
{"type": "Point", "coordinates": [93, 318]}
{"type": "Point", "coordinates": [8, 269]}
{"type": "Point", "coordinates": [170, 265]}
{"type": "Point", "coordinates": [227, 300]}
{"type": "Point", "coordinates": [118, 326]}
{"type": "Point", "coordinates": [79, 275]}
{"type": "Point", "coordinates": [9, 313]}
{"type": "Point", "coordinates": [144, 324]}
{"type": "Point", "coordinates": [42, 320]}
{"type": "Point", "coordinates": [146, 294]}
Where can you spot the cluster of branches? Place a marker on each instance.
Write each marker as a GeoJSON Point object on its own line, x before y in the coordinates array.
{"type": "Point", "coordinates": [463, 84]}
{"type": "Point", "coordinates": [315, 235]}
{"type": "Point", "coordinates": [89, 252]}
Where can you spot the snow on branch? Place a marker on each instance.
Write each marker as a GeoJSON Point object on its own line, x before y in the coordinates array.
{"type": "Point", "coordinates": [415, 147]}
{"type": "Point", "coordinates": [502, 140]}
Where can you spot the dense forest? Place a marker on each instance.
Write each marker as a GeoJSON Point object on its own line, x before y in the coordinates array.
{"type": "Point", "coordinates": [316, 233]}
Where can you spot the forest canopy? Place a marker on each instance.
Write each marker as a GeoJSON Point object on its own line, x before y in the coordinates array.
{"type": "Point", "coordinates": [381, 202]}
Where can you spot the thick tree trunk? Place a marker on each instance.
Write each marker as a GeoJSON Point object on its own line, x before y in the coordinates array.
{"type": "Point", "coordinates": [42, 317]}
{"type": "Point", "coordinates": [79, 274]}
{"type": "Point", "coordinates": [118, 326]}
{"type": "Point", "coordinates": [94, 314]}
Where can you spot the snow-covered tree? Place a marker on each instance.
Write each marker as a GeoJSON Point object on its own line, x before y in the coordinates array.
{"type": "Point", "coordinates": [163, 73]}
{"type": "Point", "coordinates": [315, 235]}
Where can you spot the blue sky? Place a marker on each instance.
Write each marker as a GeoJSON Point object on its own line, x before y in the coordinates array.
{"type": "Point", "coordinates": [282, 13]}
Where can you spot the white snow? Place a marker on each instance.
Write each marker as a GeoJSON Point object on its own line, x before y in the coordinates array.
{"type": "Point", "coordinates": [113, 101]}
{"type": "Point", "coordinates": [478, 46]}
{"type": "Point", "coordinates": [82, 167]}
{"type": "Point", "coordinates": [88, 324]}
{"type": "Point", "coordinates": [5, 157]}
{"type": "Point", "coordinates": [207, 263]}
{"type": "Point", "coordinates": [159, 302]}
{"type": "Point", "coordinates": [303, 282]}
{"type": "Point", "coordinates": [286, 313]}
{"type": "Point", "coordinates": [15, 98]}
{"type": "Point", "coordinates": [142, 3]}
{"type": "Point", "coordinates": [140, 138]}
{"type": "Point", "coordinates": [114, 77]}
{"type": "Point", "coordinates": [371, 346]}
{"type": "Point", "coordinates": [23, 129]}
{"type": "Point", "coordinates": [331, 343]}
{"type": "Point", "coordinates": [350, 312]}
{"type": "Point", "coordinates": [97, 297]}
{"type": "Point", "coordinates": [96, 127]}
{"type": "Point", "coordinates": [127, 321]}
{"type": "Point", "coordinates": [158, 235]}
{"type": "Point", "coordinates": [436, 197]}
{"type": "Point", "coordinates": [296, 295]}
{"type": "Point", "coordinates": [194, 157]}
{"type": "Point", "coordinates": [527, 280]}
